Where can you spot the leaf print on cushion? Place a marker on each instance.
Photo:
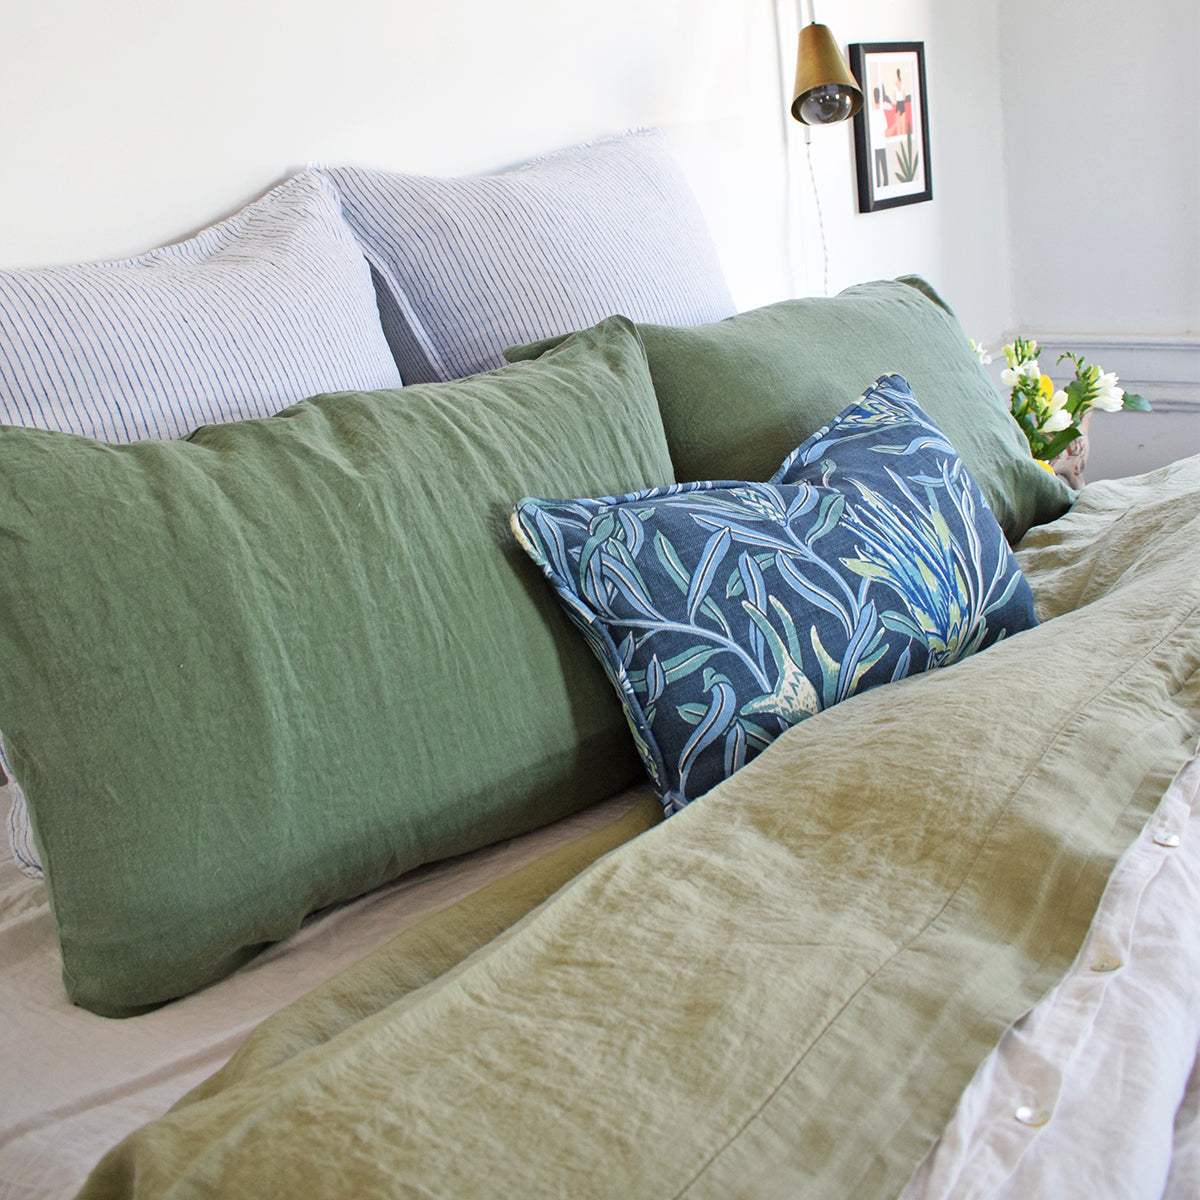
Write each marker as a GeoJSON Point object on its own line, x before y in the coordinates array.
{"type": "Point", "coordinates": [793, 698]}
{"type": "Point", "coordinates": [726, 612]}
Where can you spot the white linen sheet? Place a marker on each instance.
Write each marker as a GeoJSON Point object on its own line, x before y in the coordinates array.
{"type": "Point", "coordinates": [1094, 1093]}
{"type": "Point", "coordinates": [73, 1084]}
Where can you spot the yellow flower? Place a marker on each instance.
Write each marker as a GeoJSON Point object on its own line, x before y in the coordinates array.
{"type": "Point", "coordinates": [1041, 462]}
{"type": "Point", "coordinates": [1045, 387]}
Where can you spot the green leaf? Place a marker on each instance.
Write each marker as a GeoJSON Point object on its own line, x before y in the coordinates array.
{"type": "Point", "coordinates": [1058, 443]}
{"type": "Point", "coordinates": [1135, 403]}
{"type": "Point", "coordinates": [868, 570]}
{"type": "Point", "coordinates": [680, 665]}
{"type": "Point", "coordinates": [830, 514]}
{"type": "Point", "coordinates": [830, 670]}
{"type": "Point", "coordinates": [669, 559]}
{"type": "Point", "coordinates": [906, 161]}
{"type": "Point", "coordinates": [869, 660]}
{"type": "Point", "coordinates": [756, 733]}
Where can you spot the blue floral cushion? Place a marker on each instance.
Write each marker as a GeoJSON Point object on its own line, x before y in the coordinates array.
{"type": "Point", "coordinates": [726, 612]}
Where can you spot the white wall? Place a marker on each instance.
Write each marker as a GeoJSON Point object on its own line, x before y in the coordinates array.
{"type": "Point", "coordinates": [959, 240]}
{"type": "Point", "coordinates": [138, 122]}
{"type": "Point", "coordinates": [1103, 147]}
{"type": "Point", "coordinates": [1065, 152]}
{"type": "Point", "coordinates": [1102, 143]}
{"type": "Point", "coordinates": [133, 122]}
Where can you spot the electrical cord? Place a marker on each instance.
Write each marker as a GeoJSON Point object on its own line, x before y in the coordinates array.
{"type": "Point", "coordinates": [786, 131]}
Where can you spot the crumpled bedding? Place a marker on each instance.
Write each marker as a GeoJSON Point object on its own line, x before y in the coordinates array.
{"type": "Point", "coordinates": [785, 988]}
{"type": "Point", "coordinates": [79, 1083]}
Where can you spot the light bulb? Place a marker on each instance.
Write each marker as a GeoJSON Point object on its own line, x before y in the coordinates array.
{"type": "Point", "coordinates": [826, 105]}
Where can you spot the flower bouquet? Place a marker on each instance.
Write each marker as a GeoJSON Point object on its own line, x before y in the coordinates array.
{"type": "Point", "coordinates": [1052, 418]}
{"type": "Point", "coordinates": [1055, 420]}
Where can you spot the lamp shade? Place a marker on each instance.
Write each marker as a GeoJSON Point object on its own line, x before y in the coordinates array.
{"type": "Point", "coordinates": [825, 89]}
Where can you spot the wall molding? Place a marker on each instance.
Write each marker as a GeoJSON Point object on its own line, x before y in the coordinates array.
{"type": "Point", "coordinates": [1166, 370]}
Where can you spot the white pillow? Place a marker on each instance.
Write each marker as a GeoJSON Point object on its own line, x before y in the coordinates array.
{"type": "Point", "coordinates": [264, 309]}
{"type": "Point", "coordinates": [467, 267]}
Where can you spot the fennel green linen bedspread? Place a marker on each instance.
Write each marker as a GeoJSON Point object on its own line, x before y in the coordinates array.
{"type": "Point", "coordinates": [782, 990]}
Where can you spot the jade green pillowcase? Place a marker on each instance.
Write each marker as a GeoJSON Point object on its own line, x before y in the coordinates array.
{"type": "Point", "coordinates": [271, 666]}
{"type": "Point", "coordinates": [737, 395]}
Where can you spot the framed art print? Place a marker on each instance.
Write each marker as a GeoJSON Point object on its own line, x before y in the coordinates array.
{"type": "Point", "coordinates": [891, 130]}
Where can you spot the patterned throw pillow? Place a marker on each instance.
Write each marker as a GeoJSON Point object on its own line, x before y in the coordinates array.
{"type": "Point", "coordinates": [724, 613]}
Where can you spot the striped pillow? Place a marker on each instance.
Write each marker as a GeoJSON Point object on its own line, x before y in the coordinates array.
{"type": "Point", "coordinates": [466, 267]}
{"type": "Point", "coordinates": [20, 836]}
{"type": "Point", "coordinates": [266, 308]}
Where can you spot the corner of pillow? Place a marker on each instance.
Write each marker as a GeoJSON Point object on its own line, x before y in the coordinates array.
{"type": "Point", "coordinates": [920, 284]}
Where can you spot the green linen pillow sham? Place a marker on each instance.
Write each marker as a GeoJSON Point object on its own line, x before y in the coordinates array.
{"type": "Point", "coordinates": [737, 395]}
{"type": "Point", "coordinates": [271, 666]}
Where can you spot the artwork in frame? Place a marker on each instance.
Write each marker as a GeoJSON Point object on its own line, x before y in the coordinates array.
{"type": "Point", "coordinates": [891, 130]}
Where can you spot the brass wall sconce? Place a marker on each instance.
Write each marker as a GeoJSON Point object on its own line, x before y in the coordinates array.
{"type": "Point", "coordinates": [825, 91]}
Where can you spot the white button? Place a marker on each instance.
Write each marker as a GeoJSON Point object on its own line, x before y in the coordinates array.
{"type": "Point", "coordinates": [1030, 1115]}
{"type": "Point", "coordinates": [1164, 837]}
{"type": "Point", "coordinates": [1106, 962]}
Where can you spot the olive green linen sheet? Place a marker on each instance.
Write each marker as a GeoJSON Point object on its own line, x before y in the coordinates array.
{"type": "Point", "coordinates": [783, 989]}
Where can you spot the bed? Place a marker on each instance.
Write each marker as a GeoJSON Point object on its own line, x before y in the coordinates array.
{"type": "Point", "coordinates": [484, 718]}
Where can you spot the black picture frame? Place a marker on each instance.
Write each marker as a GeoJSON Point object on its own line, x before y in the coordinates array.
{"type": "Point", "coordinates": [891, 130]}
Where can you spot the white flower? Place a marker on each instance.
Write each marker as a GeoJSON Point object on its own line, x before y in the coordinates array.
{"type": "Point", "coordinates": [980, 351]}
{"type": "Point", "coordinates": [1107, 397]}
{"type": "Point", "coordinates": [1018, 352]}
{"type": "Point", "coordinates": [1012, 376]}
{"type": "Point", "coordinates": [1058, 421]}
{"type": "Point", "coordinates": [1055, 403]}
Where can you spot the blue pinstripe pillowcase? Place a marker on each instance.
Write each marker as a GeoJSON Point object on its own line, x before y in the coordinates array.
{"type": "Point", "coordinates": [468, 266]}
{"type": "Point", "coordinates": [20, 835]}
{"type": "Point", "coordinates": [267, 308]}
